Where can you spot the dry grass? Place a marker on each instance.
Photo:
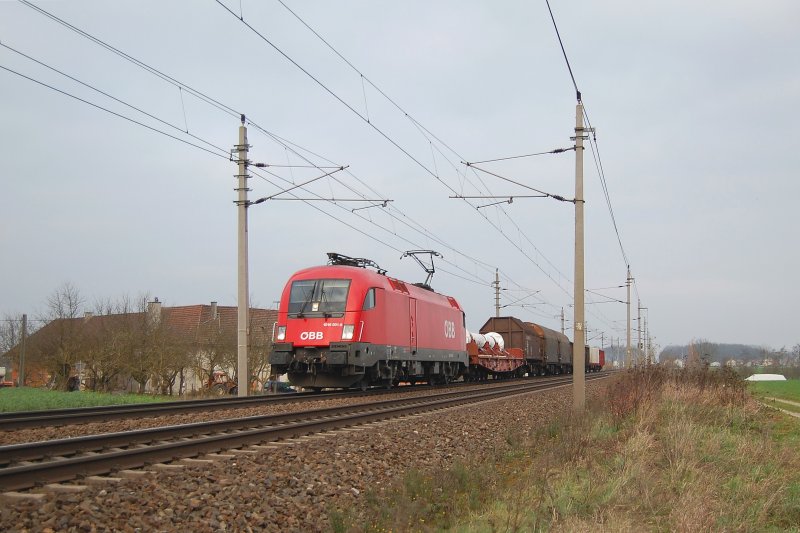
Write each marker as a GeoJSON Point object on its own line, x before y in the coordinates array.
{"type": "Point", "coordinates": [668, 451]}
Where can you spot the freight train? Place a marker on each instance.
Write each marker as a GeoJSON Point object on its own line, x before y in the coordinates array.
{"type": "Point", "coordinates": [347, 324]}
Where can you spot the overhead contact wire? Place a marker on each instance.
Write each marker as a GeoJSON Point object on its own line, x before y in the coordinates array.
{"type": "Point", "coordinates": [405, 113]}
{"type": "Point", "coordinates": [114, 113]}
{"type": "Point", "coordinates": [223, 150]}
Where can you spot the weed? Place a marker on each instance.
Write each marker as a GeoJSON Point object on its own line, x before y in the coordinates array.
{"type": "Point", "coordinates": [665, 451]}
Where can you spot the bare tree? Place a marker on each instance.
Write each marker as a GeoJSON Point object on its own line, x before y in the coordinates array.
{"type": "Point", "coordinates": [216, 350]}
{"type": "Point", "coordinates": [112, 335]}
{"type": "Point", "coordinates": [10, 337]}
{"type": "Point", "coordinates": [62, 340]}
{"type": "Point", "coordinates": [166, 353]}
{"type": "Point", "coordinates": [260, 342]}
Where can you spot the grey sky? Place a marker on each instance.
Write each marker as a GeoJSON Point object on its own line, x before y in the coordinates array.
{"type": "Point", "coordinates": [693, 104]}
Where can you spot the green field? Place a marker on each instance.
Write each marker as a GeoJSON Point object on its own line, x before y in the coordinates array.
{"type": "Point", "coordinates": [31, 399]}
{"type": "Point", "coordinates": [787, 390]}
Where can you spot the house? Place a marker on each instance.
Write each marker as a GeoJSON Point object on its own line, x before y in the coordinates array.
{"type": "Point", "coordinates": [175, 350]}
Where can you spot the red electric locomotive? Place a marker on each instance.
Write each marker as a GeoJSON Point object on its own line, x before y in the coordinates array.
{"type": "Point", "coordinates": [343, 325]}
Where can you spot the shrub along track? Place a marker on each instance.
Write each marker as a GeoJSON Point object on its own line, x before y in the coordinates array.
{"type": "Point", "coordinates": [30, 464]}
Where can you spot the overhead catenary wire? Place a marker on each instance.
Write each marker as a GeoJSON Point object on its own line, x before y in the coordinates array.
{"type": "Point", "coordinates": [392, 211]}
{"type": "Point", "coordinates": [363, 118]}
{"type": "Point", "coordinates": [361, 231]}
{"type": "Point", "coordinates": [129, 119]}
{"type": "Point", "coordinates": [169, 79]}
{"type": "Point", "coordinates": [563, 51]}
{"type": "Point", "coordinates": [163, 76]}
{"type": "Point", "coordinates": [435, 146]}
{"type": "Point", "coordinates": [371, 124]}
{"type": "Point", "coordinates": [556, 151]}
{"type": "Point", "coordinates": [541, 192]}
{"type": "Point", "coordinates": [334, 95]}
{"type": "Point", "coordinates": [223, 107]}
{"type": "Point", "coordinates": [106, 94]}
{"type": "Point", "coordinates": [424, 231]}
{"type": "Point", "coordinates": [593, 138]}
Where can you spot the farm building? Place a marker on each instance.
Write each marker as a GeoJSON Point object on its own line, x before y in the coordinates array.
{"type": "Point", "coordinates": [171, 350]}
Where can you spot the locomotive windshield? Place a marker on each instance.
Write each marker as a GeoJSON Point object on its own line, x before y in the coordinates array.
{"type": "Point", "coordinates": [318, 298]}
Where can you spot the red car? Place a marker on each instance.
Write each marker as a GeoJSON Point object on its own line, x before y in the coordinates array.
{"type": "Point", "coordinates": [344, 325]}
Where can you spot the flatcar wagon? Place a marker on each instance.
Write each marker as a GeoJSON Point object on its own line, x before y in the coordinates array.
{"type": "Point", "coordinates": [344, 325]}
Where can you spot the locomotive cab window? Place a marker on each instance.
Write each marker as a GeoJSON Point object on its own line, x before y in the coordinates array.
{"type": "Point", "coordinates": [369, 299]}
{"type": "Point", "coordinates": [318, 298]}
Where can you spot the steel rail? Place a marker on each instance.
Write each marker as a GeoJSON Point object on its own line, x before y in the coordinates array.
{"type": "Point", "coordinates": [82, 415]}
{"type": "Point", "coordinates": [225, 434]}
{"type": "Point", "coordinates": [79, 415]}
{"type": "Point", "coordinates": [36, 450]}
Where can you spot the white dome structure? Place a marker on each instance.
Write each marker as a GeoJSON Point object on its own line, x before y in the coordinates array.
{"type": "Point", "coordinates": [766, 377]}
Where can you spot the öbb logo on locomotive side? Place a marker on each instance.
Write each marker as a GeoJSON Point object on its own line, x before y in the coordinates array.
{"type": "Point", "coordinates": [311, 336]}
{"type": "Point", "coordinates": [449, 329]}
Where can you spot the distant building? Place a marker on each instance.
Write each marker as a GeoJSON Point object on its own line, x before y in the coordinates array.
{"type": "Point", "coordinates": [766, 377]}
{"type": "Point", "coordinates": [199, 330]}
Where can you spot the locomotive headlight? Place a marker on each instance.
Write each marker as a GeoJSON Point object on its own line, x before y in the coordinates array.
{"type": "Point", "coordinates": [347, 332]}
{"type": "Point", "coordinates": [281, 333]}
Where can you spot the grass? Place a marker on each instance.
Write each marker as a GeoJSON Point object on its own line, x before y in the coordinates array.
{"type": "Point", "coordinates": [792, 407]}
{"type": "Point", "coordinates": [32, 399]}
{"type": "Point", "coordinates": [787, 390]}
{"type": "Point", "coordinates": [667, 451]}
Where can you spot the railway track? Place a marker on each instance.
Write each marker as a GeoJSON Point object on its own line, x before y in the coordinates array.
{"type": "Point", "coordinates": [23, 466]}
{"type": "Point", "coordinates": [83, 415]}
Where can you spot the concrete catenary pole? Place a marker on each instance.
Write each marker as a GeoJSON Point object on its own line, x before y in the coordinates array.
{"type": "Point", "coordinates": [628, 349]}
{"type": "Point", "coordinates": [243, 377]}
{"type": "Point", "coordinates": [562, 320]}
{"type": "Point", "coordinates": [22, 345]}
{"type": "Point", "coordinates": [578, 354]}
{"type": "Point", "coordinates": [639, 332]}
{"type": "Point", "coordinates": [497, 292]}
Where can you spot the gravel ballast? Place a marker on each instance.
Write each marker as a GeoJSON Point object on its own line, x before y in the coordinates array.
{"type": "Point", "coordinates": [290, 486]}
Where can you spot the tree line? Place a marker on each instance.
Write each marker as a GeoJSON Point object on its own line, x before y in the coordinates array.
{"type": "Point", "coordinates": [724, 352]}
{"type": "Point", "coordinates": [124, 341]}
